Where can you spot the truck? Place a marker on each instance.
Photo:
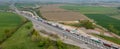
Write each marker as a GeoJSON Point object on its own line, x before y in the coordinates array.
{"type": "Point", "coordinates": [95, 40]}
{"type": "Point", "coordinates": [73, 31]}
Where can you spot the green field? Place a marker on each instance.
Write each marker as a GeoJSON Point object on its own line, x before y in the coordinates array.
{"type": "Point", "coordinates": [111, 11]}
{"type": "Point", "coordinates": [91, 9]}
{"type": "Point", "coordinates": [8, 21]}
{"type": "Point", "coordinates": [105, 21]}
{"type": "Point", "coordinates": [19, 40]}
{"type": "Point", "coordinates": [23, 39]}
{"type": "Point", "coordinates": [24, 5]}
{"type": "Point", "coordinates": [4, 6]}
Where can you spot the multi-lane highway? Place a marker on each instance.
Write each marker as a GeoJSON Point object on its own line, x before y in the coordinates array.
{"type": "Point", "coordinates": [75, 37]}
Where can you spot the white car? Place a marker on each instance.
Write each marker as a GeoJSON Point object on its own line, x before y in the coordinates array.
{"type": "Point", "coordinates": [74, 31]}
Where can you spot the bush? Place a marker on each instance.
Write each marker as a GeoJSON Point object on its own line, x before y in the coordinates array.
{"type": "Point", "coordinates": [76, 24]}
{"type": "Point", "coordinates": [41, 43]}
{"type": "Point", "coordinates": [118, 8]}
{"type": "Point", "coordinates": [112, 29]}
{"type": "Point", "coordinates": [35, 36]}
{"type": "Point", "coordinates": [51, 47]}
{"type": "Point", "coordinates": [87, 24]}
{"type": "Point", "coordinates": [7, 32]}
{"type": "Point", "coordinates": [39, 13]}
{"type": "Point", "coordinates": [61, 45]}
{"type": "Point", "coordinates": [27, 27]}
{"type": "Point", "coordinates": [84, 23]}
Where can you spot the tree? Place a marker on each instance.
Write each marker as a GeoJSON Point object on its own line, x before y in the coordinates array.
{"type": "Point", "coordinates": [112, 29]}
{"type": "Point", "coordinates": [27, 27]}
{"type": "Point", "coordinates": [51, 47]}
{"type": "Point", "coordinates": [41, 43]}
{"type": "Point", "coordinates": [87, 24]}
{"type": "Point", "coordinates": [47, 41]}
{"type": "Point", "coordinates": [7, 32]}
{"type": "Point", "coordinates": [60, 44]}
{"type": "Point", "coordinates": [35, 36]}
{"type": "Point", "coordinates": [119, 8]}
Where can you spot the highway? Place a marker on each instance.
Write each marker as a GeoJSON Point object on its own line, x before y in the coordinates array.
{"type": "Point", "coordinates": [78, 38]}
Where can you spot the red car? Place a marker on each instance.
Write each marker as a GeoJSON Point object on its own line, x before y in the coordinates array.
{"type": "Point", "coordinates": [108, 45]}
{"type": "Point", "coordinates": [67, 30]}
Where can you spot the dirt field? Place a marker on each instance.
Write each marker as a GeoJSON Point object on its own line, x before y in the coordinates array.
{"type": "Point", "coordinates": [54, 13]}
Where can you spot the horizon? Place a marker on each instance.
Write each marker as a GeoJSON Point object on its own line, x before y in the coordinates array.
{"type": "Point", "coordinates": [69, 1]}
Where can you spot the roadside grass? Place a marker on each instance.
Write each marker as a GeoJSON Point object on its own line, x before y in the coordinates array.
{"type": "Point", "coordinates": [112, 39]}
{"type": "Point", "coordinates": [83, 23]}
{"type": "Point", "coordinates": [105, 21]}
{"type": "Point", "coordinates": [26, 38]}
{"type": "Point", "coordinates": [19, 40]}
{"type": "Point", "coordinates": [9, 21]}
{"type": "Point", "coordinates": [75, 24]}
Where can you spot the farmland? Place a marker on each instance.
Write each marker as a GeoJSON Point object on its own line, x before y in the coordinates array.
{"type": "Point", "coordinates": [9, 21]}
{"type": "Point", "coordinates": [4, 7]}
{"type": "Point", "coordinates": [107, 17]}
{"type": "Point", "coordinates": [53, 12]}
{"type": "Point", "coordinates": [23, 39]}
{"type": "Point", "coordinates": [91, 9]}
{"type": "Point", "coordinates": [24, 5]}
{"type": "Point", "coordinates": [105, 21]}
{"type": "Point", "coordinates": [111, 11]}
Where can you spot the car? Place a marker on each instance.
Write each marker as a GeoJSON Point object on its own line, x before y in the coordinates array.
{"type": "Point", "coordinates": [60, 27]}
{"type": "Point", "coordinates": [63, 28]}
{"type": "Point", "coordinates": [36, 18]}
{"type": "Point", "coordinates": [107, 45]}
{"type": "Point", "coordinates": [67, 30]}
{"type": "Point", "coordinates": [40, 20]}
{"type": "Point", "coordinates": [53, 24]}
{"type": "Point", "coordinates": [48, 23]}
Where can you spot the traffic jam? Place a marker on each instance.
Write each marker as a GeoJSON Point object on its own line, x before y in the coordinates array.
{"type": "Point", "coordinates": [74, 31]}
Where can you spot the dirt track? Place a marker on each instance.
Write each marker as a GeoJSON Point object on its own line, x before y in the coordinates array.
{"type": "Point", "coordinates": [53, 12]}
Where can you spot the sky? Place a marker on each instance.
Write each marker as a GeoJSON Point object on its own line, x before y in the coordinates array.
{"type": "Point", "coordinates": [62, 0]}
